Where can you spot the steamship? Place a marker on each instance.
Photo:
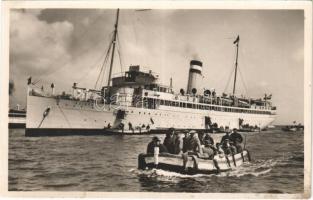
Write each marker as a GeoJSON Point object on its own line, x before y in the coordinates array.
{"type": "Point", "coordinates": [136, 102]}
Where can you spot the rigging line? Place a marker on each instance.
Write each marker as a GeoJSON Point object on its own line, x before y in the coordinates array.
{"type": "Point", "coordinates": [243, 81]}
{"type": "Point", "coordinates": [68, 122]}
{"type": "Point", "coordinates": [230, 76]}
{"type": "Point", "coordinates": [102, 71]}
{"type": "Point", "coordinates": [103, 64]}
{"type": "Point", "coordinates": [229, 79]}
{"type": "Point", "coordinates": [104, 61]}
{"type": "Point", "coordinates": [66, 62]}
{"type": "Point", "coordinates": [244, 66]}
{"type": "Point", "coordinates": [93, 66]}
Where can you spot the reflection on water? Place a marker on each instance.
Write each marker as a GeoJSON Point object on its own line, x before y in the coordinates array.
{"type": "Point", "coordinates": [109, 163]}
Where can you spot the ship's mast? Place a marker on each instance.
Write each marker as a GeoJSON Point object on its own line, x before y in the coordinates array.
{"type": "Point", "coordinates": [113, 50]}
{"type": "Point", "coordinates": [236, 63]}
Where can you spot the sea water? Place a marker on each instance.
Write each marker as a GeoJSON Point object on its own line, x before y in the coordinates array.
{"type": "Point", "coordinates": [109, 163]}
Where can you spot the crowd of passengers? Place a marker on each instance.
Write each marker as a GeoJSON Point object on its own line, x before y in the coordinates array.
{"type": "Point", "coordinates": [202, 145]}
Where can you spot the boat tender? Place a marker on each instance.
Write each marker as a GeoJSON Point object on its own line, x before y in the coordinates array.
{"type": "Point", "coordinates": [192, 164]}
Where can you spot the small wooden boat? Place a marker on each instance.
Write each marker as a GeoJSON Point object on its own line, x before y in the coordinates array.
{"type": "Point", "coordinates": [192, 164]}
{"type": "Point", "coordinates": [127, 132]}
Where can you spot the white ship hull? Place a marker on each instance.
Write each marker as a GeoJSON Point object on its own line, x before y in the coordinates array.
{"type": "Point", "coordinates": [68, 116]}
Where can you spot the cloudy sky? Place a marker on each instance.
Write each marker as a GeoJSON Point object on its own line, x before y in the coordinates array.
{"type": "Point", "coordinates": [66, 45]}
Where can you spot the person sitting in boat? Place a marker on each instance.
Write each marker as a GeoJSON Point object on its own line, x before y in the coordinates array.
{"type": "Point", "coordinates": [225, 137]}
{"type": "Point", "coordinates": [207, 150]}
{"type": "Point", "coordinates": [236, 140]}
{"type": "Point", "coordinates": [194, 144]}
{"type": "Point", "coordinates": [219, 150]}
{"type": "Point", "coordinates": [178, 143]}
{"type": "Point", "coordinates": [148, 127]}
{"type": "Point", "coordinates": [228, 147]}
{"type": "Point", "coordinates": [209, 138]}
{"type": "Point", "coordinates": [169, 141]}
{"type": "Point", "coordinates": [130, 127]}
{"type": "Point", "coordinates": [226, 143]}
{"type": "Point", "coordinates": [156, 142]}
{"type": "Point", "coordinates": [209, 141]}
{"type": "Point", "coordinates": [121, 126]}
{"type": "Point", "coordinates": [201, 137]}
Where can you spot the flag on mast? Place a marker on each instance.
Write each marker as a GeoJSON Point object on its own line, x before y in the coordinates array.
{"type": "Point", "coordinates": [237, 40]}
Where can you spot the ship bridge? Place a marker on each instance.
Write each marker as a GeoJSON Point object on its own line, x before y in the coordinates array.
{"type": "Point", "coordinates": [134, 78]}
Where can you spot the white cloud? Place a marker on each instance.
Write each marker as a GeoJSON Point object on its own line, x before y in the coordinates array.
{"type": "Point", "coordinates": [36, 46]}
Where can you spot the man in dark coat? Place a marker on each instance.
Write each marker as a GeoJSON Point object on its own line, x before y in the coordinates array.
{"type": "Point", "coordinates": [236, 139]}
{"type": "Point", "coordinates": [156, 142]}
{"type": "Point", "coordinates": [178, 143]}
{"type": "Point", "coordinates": [225, 137]}
{"type": "Point", "coordinates": [169, 142]}
{"type": "Point", "coordinates": [186, 141]}
{"type": "Point", "coordinates": [227, 144]}
{"type": "Point", "coordinates": [208, 138]}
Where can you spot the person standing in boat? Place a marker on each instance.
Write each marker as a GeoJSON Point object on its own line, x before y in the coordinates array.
{"type": "Point", "coordinates": [156, 142]}
{"type": "Point", "coordinates": [186, 141]}
{"type": "Point", "coordinates": [236, 140]}
{"type": "Point", "coordinates": [169, 141]}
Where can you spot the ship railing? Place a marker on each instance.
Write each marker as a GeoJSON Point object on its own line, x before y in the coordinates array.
{"type": "Point", "coordinates": [204, 106]}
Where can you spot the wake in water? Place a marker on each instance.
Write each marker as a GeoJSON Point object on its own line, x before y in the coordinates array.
{"type": "Point", "coordinates": [256, 168]}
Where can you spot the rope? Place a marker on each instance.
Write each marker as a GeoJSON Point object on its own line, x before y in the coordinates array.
{"type": "Point", "coordinates": [64, 116]}
{"type": "Point", "coordinates": [231, 74]}
{"type": "Point", "coordinates": [91, 67]}
{"type": "Point", "coordinates": [103, 65]}
{"type": "Point", "coordinates": [243, 81]}
{"type": "Point", "coordinates": [63, 64]}
{"type": "Point", "coordinates": [244, 66]}
{"type": "Point", "coordinates": [229, 78]}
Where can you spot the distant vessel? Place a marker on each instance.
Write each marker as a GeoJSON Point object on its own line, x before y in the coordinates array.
{"type": "Point", "coordinates": [293, 128]}
{"type": "Point", "coordinates": [17, 118]}
{"type": "Point", "coordinates": [136, 102]}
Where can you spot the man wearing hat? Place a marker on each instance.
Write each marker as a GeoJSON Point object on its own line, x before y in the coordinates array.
{"type": "Point", "coordinates": [236, 139]}
{"type": "Point", "coordinates": [225, 137]}
{"type": "Point", "coordinates": [156, 142]}
{"type": "Point", "coordinates": [226, 144]}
